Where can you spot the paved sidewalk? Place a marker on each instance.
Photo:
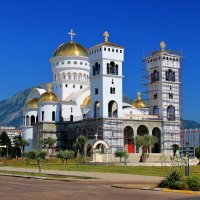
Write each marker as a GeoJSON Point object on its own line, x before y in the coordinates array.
{"type": "Point", "coordinates": [106, 177]}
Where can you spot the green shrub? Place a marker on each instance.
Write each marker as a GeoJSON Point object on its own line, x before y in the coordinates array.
{"type": "Point", "coordinates": [193, 183]}
{"type": "Point", "coordinates": [176, 185]}
{"type": "Point", "coordinates": [170, 180]}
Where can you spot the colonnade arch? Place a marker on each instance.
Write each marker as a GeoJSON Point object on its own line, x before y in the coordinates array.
{"type": "Point", "coordinates": [141, 130]}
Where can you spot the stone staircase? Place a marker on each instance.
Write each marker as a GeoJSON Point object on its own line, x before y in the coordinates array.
{"type": "Point", "coordinates": [153, 157]}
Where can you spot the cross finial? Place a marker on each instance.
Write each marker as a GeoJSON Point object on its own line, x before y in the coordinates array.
{"type": "Point", "coordinates": [96, 136]}
{"type": "Point", "coordinates": [72, 34]}
{"type": "Point", "coordinates": [106, 35]}
{"type": "Point", "coordinates": [49, 87]}
{"type": "Point", "coordinates": [163, 45]}
{"type": "Point", "coordinates": [139, 95]}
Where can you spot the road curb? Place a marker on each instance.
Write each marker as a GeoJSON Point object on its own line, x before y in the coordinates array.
{"type": "Point", "coordinates": [38, 177]}
{"type": "Point", "coordinates": [153, 188]}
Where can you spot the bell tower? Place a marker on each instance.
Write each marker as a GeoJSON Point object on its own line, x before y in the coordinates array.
{"type": "Point", "coordinates": [164, 82]}
{"type": "Point", "coordinates": [106, 79]}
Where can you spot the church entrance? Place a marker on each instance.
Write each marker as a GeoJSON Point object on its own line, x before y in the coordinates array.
{"type": "Point", "coordinates": [157, 147]}
{"type": "Point", "coordinates": [129, 139]}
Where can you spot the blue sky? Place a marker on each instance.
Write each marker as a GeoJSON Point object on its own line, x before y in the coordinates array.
{"type": "Point", "coordinates": [31, 30]}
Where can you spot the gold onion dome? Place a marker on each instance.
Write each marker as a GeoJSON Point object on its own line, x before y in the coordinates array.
{"type": "Point", "coordinates": [32, 103]}
{"type": "Point", "coordinates": [49, 95]}
{"type": "Point", "coordinates": [139, 102]}
{"type": "Point", "coordinates": [87, 101]}
{"type": "Point", "coordinates": [71, 49]}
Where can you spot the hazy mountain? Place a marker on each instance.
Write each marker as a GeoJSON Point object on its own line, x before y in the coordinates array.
{"type": "Point", "coordinates": [189, 124]}
{"type": "Point", "coordinates": [11, 110]}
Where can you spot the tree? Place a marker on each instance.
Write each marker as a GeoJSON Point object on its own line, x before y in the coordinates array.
{"type": "Point", "coordinates": [39, 156]}
{"type": "Point", "coordinates": [48, 143]}
{"type": "Point", "coordinates": [146, 142]}
{"type": "Point", "coordinates": [24, 143]}
{"type": "Point", "coordinates": [175, 148]}
{"type": "Point", "coordinates": [19, 144]}
{"type": "Point", "coordinates": [5, 140]}
{"type": "Point", "coordinates": [79, 144]}
{"type": "Point", "coordinates": [121, 154]}
{"type": "Point", "coordinates": [197, 153]}
{"type": "Point", "coordinates": [65, 155]}
{"type": "Point", "coordinates": [28, 156]}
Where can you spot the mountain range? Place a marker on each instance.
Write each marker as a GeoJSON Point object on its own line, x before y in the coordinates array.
{"type": "Point", "coordinates": [11, 110]}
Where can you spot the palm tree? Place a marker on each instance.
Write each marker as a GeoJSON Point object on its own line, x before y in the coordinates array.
{"type": "Point", "coordinates": [24, 143]}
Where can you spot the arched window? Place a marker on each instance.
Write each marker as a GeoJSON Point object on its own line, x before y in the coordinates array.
{"type": "Point", "coordinates": [96, 109]}
{"type": "Point", "coordinates": [69, 76]}
{"type": "Point", "coordinates": [27, 120]}
{"type": "Point", "coordinates": [112, 68]}
{"type": "Point", "coordinates": [155, 110]}
{"type": "Point", "coordinates": [74, 76]}
{"type": "Point", "coordinates": [55, 77]}
{"type": "Point", "coordinates": [63, 76]}
{"type": "Point", "coordinates": [96, 69]}
{"type": "Point", "coordinates": [170, 75]}
{"type": "Point", "coordinates": [171, 113]}
{"type": "Point", "coordinates": [79, 77]}
{"type": "Point", "coordinates": [155, 76]}
{"type": "Point", "coordinates": [32, 120]}
{"type": "Point", "coordinates": [58, 76]}
{"type": "Point", "coordinates": [112, 109]}
{"type": "Point", "coordinates": [42, 115]}
{"type": "Point", "coordinates": [53, 116]}
{"type": "Point", "coordinates": [71, 118]}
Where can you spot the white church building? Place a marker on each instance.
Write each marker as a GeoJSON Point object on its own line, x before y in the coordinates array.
{"type": "Point", "coordinates": [85, 97]}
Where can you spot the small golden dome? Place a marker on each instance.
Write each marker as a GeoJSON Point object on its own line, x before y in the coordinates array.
{"type": "Point", "coordinates": [87, 101]}
{"type": "Point", "coordinates": [49, 95]}
{"type": "Point", "coordinates": [32, 103]}
{"type": "Point", "coordinates": [70, 49]}
{"type": "Point", "coordinates": [139, 102]}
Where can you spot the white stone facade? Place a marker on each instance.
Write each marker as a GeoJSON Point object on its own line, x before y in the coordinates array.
{"type": "Point", "coordinates": [164, 94]}
{"type": "Point", "coordinates": [87, 84]}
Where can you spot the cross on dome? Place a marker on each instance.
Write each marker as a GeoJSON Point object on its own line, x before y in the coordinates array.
{"type": "Point", "coordinates": [49, 86]}
{"type": "Point", "coordinates": [72, 34]}
{"type": "Point", "coordinates": [163, 45]}
{"type": "Point", "coordinates": [139, 95]}
{"type": "Point", "coordinates": [106, 35]}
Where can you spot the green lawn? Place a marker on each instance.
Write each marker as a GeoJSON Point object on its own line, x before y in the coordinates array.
{"type": "Point", "coordinates": [55, 164]}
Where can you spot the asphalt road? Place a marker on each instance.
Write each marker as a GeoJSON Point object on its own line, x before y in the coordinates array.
{"type": "Point", "coordinates": [37, 189]}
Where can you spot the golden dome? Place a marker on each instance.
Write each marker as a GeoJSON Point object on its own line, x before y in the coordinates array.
{"type": "Point", "coordinates": [70, 49]}
{"type": "Point", "coordinates": [32, 103]}
{"type": "Point", "coordinates": [87, 101]}
{"type": "Point", "coordinates": [49, 95]}
{"type": "Point", "coordinates": [139, 103]}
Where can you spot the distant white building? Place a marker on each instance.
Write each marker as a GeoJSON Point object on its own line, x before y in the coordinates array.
{"type": "Point", "coordinates": [86, 98]}
{"type": "Point", "coordinates": [11, 131]}
{"type": "Point", "coordinates": [191, 138]}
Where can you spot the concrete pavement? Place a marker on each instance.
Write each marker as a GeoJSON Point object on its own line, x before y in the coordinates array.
{"type": "Point", "coordinates": [106, 177]}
